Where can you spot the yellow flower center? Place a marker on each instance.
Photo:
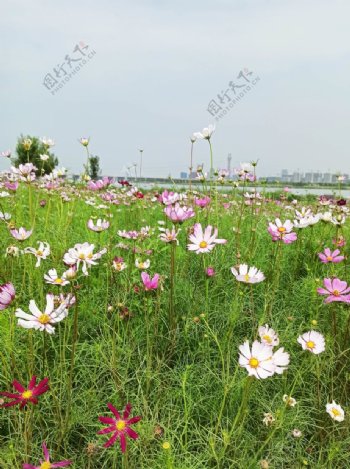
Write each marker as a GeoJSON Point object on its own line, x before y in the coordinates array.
{"type": "Point", "coordinates": [58, 280]}
{"type": "Point", "coordinates": [336, 292]}
{"type": "Point", "coordinates": [82, 256]}
{"type": "Point", "coordinates": [246, 278]}
{"type": "Point", "coordinates": [281, 229]}
{"type": "Point", "coordinates": [44, 319]}
{"type": "Point", "coordinates": [120, 425]}
{"type": "Point", "coordinates": [45, 465]}
{"type": "Point", "coordinates": [335, 412]}
{"type": "Point", "coordinates": [254, 362]}
{"type": "Point", "coordinates": [39, 253]}
{"type": "Point", "coordinates": [329, 258]}
{"type": "Point", "coordinates": [27, 394]}
{"type": "Point", "coordinates": [203, 244]}
{"type": "Point", "coordinates": [89, 256]}
{"type": "Point", "coordinates": [267, 338]}
{"type": "Point", "coordinates": [310, 344]}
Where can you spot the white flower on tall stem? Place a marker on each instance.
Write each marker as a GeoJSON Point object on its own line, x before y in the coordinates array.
{"type": "Point", "coordinates": [312, 341]}
{"type": "Point", "coordinates": [248, 274]}
{"type": "Point", "coordinates": [53, 279]}
{"type": "Point", "coordinates": [257, 361]}
{"type": "Point", "coordinates": [41, 253]}
{"type": "Point", "coordinates": [268, 336]}
{"type": "Point", "coordinates": [42, 321]}
{"type": "Point", "coordinates": [206, 133]}
{"type": "Point", "coordinates": [142, 265]}
{"type": "Point", "coordinates": [169, 236]}
{"type": "Point", "coordinates": [335, 411]}
{"type": "Point", "coordinates": [280, 359]}
{"type": "Point", "coordinates": [83, 254]}
{"type": "Point", "coordinates": [203, 242]}
{"type": "Point", "coordinates": [289, 400]}
{"type": "Point", "coordinates": [100, 225]}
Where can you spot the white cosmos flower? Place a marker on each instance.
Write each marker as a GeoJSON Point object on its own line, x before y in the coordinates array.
{"type": "Point", "coordinates": [268, 336]}
{"type": "Point", "coordinates": [41, 253]}
{"type": "Point", "coordinates": [44, 157]}
{"type": "Point", "coordinates": [312, 341]}
{"type": "Point", "coordinates": [206, 132]}
{"type": "Point", "coordinates": [248, 274]}
{"type": "Point", "coordinates": [83, 254]}
{"type": "Point", "coordinates": [281, 360]}
{"type": "Point", "coordinates": [52, 278]}
{"type": "Point", "coordinates": [42, 321]}
{"type": "Point", "coordinates": [289, 400]}
{"type": "Point", "coordinates": [335, 411]}
{"type": "Point", "coordinates": [257, 361]}
{"type": "Point", "coordinates": [142, 265]}
{"type": "Point", "coordinates": [203, 242]}
{"type": "Point", "coordinates": [5, 216]}
{"type": "Point", "coordinates": [101, 225]}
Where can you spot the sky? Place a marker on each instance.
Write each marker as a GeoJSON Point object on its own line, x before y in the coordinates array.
{"type": "Point", "coordinates": [156, 67]}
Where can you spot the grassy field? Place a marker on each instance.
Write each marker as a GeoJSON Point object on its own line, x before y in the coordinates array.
{"type": "Point", "coordinates": [173, 352]}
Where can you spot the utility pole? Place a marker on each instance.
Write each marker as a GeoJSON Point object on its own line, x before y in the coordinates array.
{"type": "Point", "coordinates": [141, 151]}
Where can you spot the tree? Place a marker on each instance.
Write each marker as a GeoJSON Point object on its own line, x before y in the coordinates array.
{"type": "Point", "coordinates": [94, 167]}
{"type": "Point", "coordinates": [29, 149]}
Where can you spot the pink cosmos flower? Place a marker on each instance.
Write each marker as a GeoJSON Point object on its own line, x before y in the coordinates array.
{"type": "Point", "coordinates": [21, 234]}
{"type": "Point", "coordinates": [101, 225]}
{"type": "Point", "coordinates": [150, 284]}
{"type": "Point", "coordinates": [7, 295]}
{"type": "Point", "coordinates": [178, 214]}
{"type": "Point", "coordinates": [210, 271]}
{"type": "Point", "coordinates": [11, 186]}
{"type": "Point", "coordinates": [119, 426]}
{"type": "Point", "coordinates": [204, 242]}
{"type": "Point", "coordinates": [340, 242]}
{"type": "Point", "coordinates": [25, 395]}
{"type": "Point", "coordinates": [203, 202]}
{"type": "Point", "coordinates": [337, 290]}
{"type": "Point", "coordinates": [169, 198]}
{"type": "Point", "coordinates": [327, 256]}
{"type": "Point", "coordinates": [46, 464]}
{"type": "Point", "coordinates": [282, 232]}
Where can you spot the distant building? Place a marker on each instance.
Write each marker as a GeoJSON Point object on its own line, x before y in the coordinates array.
{"type": "Point", "coordinates": [183, 175]}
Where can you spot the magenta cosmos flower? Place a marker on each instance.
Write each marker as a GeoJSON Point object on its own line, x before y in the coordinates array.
{"type": "Point", "coordinates": [150, 284]}
{"type": "Point", "coordinates": [7, 295]}
{"type": "Point", "coordinates": [337, 290]}
{"type": "Point", "coordinates": [46, 464]}
{"type": "Point", "coordinates": [328, 256]}
{"type": "Point", "coordinates": [178, 214]}
{"type": "Point", "coordinates": [203, 242]}
{"type": "Point", "coordinates": [25, 395]}
{"type": "Point", "coordinates": [282, 232]}
{"type": "Point", "coordinates": [119, 426]}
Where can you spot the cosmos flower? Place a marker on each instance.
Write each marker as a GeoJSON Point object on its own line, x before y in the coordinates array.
{"type": "Point", "coordinates": [46, 464]}
{"type": "Point", "coordinates": [328, 256]}
{"type": "Point", "coordinates": [7, 295]}
{"type": "Point", "coordinates": [101, 225]}
{"type": "Point", "coordinates": [25, 395]}
{"type": "Point", "coordinates": [312, 341]}
{"type": "Point", "coordinates": [296, 433]}
{"type": "Point", "coordinates": [84, 141]}
{"type": "Point", "coordinates": [42, 321]}
{"type": "Point", "coordinates": [204, 242]}
{"type": "Point", "coordinates": [21, 234]}
{"type": "Point", "coordinates": [268, 336]}
{"type": "Point", "coordinates": [178, 214]}
{"type": "Point", "coordinates": [210, 271]}
{"type": "Point", "coordinates": [150, 284]}
{"type": "Point", "coordinates": [120, 426]}
{"type": "Point", "coordinates": [169, 236]}
{"type": "Point", "coordinates": [206, 133]}
{"type": "Point", "coordinates": [335, 411]}
{"type": "Point", "coordinates": [257, 361]}
{"type": "Point", "coordinates": [268, 419]}
{"type": "Point", "coordinates": [248, 274]}
{"type": "Point", "coordinates": [52, 278]}
{"type": "Point", "coordinates": [142, 265]}
{"type": "Point", "coordinates": [203, 202]}
{"type": "Point", "coordinates": [11, 186]}
{"type": "Point", "coordinates": [337, 290]}
{"type": "Point", "coordinates": [42, 253]}
{"type": "Point", "coordinates": [119, 264]}
{"type": "Point", "coordinates": [282, 232]}
{"type": "Point", "coordinates": [289, 400]}
{"type": "Point", "coordinates": [82, 254]}
{"type": "Point", "coordinates": [170, 198]}
{"type": "Point", "coordinates": [5, 216]}
{"type": "Point", "coordinates": [280, 359]}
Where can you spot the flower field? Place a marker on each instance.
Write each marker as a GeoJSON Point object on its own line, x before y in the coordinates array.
{"type": "Point", "coordinates": [170, 328]}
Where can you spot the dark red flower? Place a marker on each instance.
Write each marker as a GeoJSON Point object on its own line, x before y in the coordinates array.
{"type": "Point", "coordinates": [119, 426]}
{"type": "Point", "coordinates": [25, 395]}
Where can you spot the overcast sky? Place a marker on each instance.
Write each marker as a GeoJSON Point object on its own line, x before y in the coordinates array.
{"type": "Point", "coordinates": [159, 63]}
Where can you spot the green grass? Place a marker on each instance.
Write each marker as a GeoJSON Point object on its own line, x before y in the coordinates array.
{"type": "Point", "coordinates": [187, 381]}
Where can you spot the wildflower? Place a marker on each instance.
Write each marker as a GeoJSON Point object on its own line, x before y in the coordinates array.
{"type": "Point", "coordinates": [52, 278]}
{"type": "Point", "coordinates": [166, 445]}
{"type": "Point", "coordinates": [7, 295]}
{"type": "Point", "coordinates": [84, 141]}
{"type": "Point", "coordinates": [257, 361]}
{"type": "Point", "coordinates": [169, 236]}
{"type": "Point", "coordinates": [83, 254]}
{"type": "Point", "coordinates": [339, 242]}
{"type": "Point", "coordinates": [204, 242]}
{"type": "Point", "coordinates": [12, 251]}
{"type": "Point", "coordinates": [44, 157]}
{"type": "Point", "coordinates": [312, 341]}
{"type": "Point", "coordinates": [27, 143]}
{"type": "Point", "coordinates": [248, 274]}
{"type": "Point", "coordinates": [26, 395]}
{"type": "Point", "coordinates": [203, 202]}
{"type": "Point", "coordinates": [150, 284]}
{"type": "Point", "coordinates": [42, 321]}
{"type": "Point", "coordinates": [48, 142]}
{"type": "Point", "coordinates": [268, 419]}
{"type": "Point", "coordinates": [119, 426]}
{"type": "Point", "coordinates": [11, 186]}
{"type": "Point", "coordinates": [6, 154]}
{"type": "Point", "coordinates": [42, 253]}
{"type": "Point", "coordinates": [280, 359]}
{"type": "Point", "coordinates": [268, 336]}
{"type": "Point", "coordinates": [119, 264]}
{"type": "Point", "coordinates": [101, 225]}
{"type": "Point", "coordinates": [264, 464]}
{"type": "Point", "coordinates": [296, 433]}
{"type": "Point", "coordinates": [210, 271]}
{"type": "Point", "coordinates": [337, 290]}
{"type": "Point", "coordinates": [170, 198]}
{"type": "Point", "coordinates": [21, 234]}
{"type": "Point", "coordinates": [206, 133]}
{"type": "Point", "coordinates": [46, 464]}
{"type": "Point", "coordinates": [282, 232]}
{"type": "Point", "coordinates": [142, 265]}
{"type": "Point", "coordinates": [5, 216]}
{"type": "Point", "coordinates": [178, 214]}
{"type": "Point", "coordinates": [328, 256]}
{"type": "Point", "coordinates": [289, 400]}
{"type": "Point", "coordinates": [335, 411]}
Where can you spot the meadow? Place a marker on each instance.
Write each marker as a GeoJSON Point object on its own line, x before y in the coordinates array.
{"type": "Point", "coordinates": [155, 310]}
